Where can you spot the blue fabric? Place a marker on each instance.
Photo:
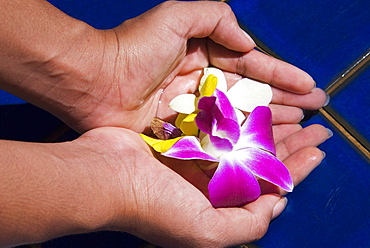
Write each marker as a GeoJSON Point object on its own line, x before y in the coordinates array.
{"type": "Point", "coordinates": [353, 103]}
{"type": "Point", "coordinates": [6, 98]}
{"type": "Point", "coordinates": [330, 208]}
{"type": "Point", "coordinates": [104, 14]}
{"type": "Point", "coordinates": [321, 37]}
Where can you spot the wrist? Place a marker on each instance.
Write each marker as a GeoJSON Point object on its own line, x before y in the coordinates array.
{"type": "Point", "coordinates": [49, 62]}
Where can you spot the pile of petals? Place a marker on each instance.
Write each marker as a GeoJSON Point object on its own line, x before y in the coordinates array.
{"type": "Point", "coordinates": [212, 127]}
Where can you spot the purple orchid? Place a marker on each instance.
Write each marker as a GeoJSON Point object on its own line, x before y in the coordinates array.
{"type": "Point", "coordinates": [244, 153]}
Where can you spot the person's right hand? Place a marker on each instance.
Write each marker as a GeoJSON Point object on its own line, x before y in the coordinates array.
{"type": "Point", "coordinates": [161, 54]}
{"type": "Point", "coordinates": [93, 78]}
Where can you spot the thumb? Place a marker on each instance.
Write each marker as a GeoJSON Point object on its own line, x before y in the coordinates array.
{"type": "Point", "coordinates": [215, 20]}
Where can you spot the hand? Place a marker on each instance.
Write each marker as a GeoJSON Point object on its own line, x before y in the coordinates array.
{"type": "Point", "coordinates": [160, 54]}
{"type": "Point", "coordinates": [159, 205]}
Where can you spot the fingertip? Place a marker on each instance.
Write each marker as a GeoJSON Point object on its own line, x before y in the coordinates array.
{"type": "Point", "coordinates": [330, 133]}
{"type": "Point", "coordinates": [249, 38]}
{"type": "Point", "coordinates": [279, 207]}
{"type": "Point", "coordinates": [327, 100]}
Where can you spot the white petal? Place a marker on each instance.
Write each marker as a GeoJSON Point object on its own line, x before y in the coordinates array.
{"type": "Point", "coordinates": [247, 94]}
{"type": "Point", "coordinates": [184, 103]}
{"type": "Point", "coordinates": [221, 82]}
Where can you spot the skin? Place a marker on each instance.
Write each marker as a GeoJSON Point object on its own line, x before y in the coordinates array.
{"type": "Point", "coordinates": [108, 85]}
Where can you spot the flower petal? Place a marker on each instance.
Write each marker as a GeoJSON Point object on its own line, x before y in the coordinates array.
{"type": "Point", "coordinates": [247, 94]}
{"type": "Point", "coordinates": [209, 86]}
{"type": "Point", "coordinates": [257, 130]}
{"type": "Point", "coordinates": [164, 130]}
{"type": "Point", "coordinates": [205, 118]}
{"type": "Point", "coordinates": [213, 110]}
{"type": "Point", "coordinates": [221, 80]}
{"type": "Point", "coordinates": [159, 145]}
{"type": "Point", "coordinates": [217, 117]}
{"type": "Point", "coordinates": [188, 148]}
{"type": "Point", "coordinates": [224, 105]}
{"type": "Point", "coordinates": [227, 129]}
{"type": "Point", "coordinates": [266, 166]}
{"type": "Point", "coordinates": [188, 125]}
{"type": "Point", "coordinates": [184, 103]}
{"type": "Point", "coordinates": [233, 184]}
{"type": "Point", "coordinates": [217, 146]}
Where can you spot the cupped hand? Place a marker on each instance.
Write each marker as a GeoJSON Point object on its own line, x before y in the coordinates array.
{"type": "Point", "coordinates": [148, 60]}
{"type": "Point", "coordinates": [165, 201]}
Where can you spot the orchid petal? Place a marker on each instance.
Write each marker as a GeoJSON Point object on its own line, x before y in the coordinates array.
{"type": "Point", "coordinates": [188, 148]}
{"type": "Point", "coordinates": [217, 147]}
{"type": "Point", "coordinates": [266, 166]}
{"type": "Point", "coordinates": [180, 117]}
{"type": "Point", "coordinates": [213, 117]}
{"type": "Point", "coordinates": [221, 80]}
{"type": "Point", "coordinates": [228, 129]}
{"type": "Point", "coordinates": [257, 130]}
{"type": "Point", "coordinates": [214, 108]}
{"type": "Point", "coordinates": [224, 105]}
{"type": "Point", "coordinates": [164, 130]}
{"type": "Point", "coordinates": [247, 94]}
{"type": "Point", "coordinates": [159, 145]}
{"type": "Point", "coordinates": [188, 125]}
{"type": "Point", "coordinates": [204, 119]}
{"type": "Point", "coordinates": [209, 86]}
{"type": "Point", "coordinates": [184, 103]}
{"type": "Point", "coordinates": [233, 184]}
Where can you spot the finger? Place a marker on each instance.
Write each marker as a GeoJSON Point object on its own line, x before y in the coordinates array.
{"type": "Point", "coordinates": [300, 164]}
{"type": "Point", "coordinates": [284, 130]}
{"type": "Point", "coordinates": [261, 67]}
{"type": "Point", "coordinates": [310, 136]}
{"type": "Point", "coordinates": [313, 100]}
{"type": "Point", "coordinates": [207, 19]}
{"type": "Point", "coordinates": [285, 114]}
{"type": "Point", "coordinates": [226, 227]}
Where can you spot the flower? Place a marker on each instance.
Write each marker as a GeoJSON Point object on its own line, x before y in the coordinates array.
{"type": "Point", "coordinates": [245, 95]}
{"type": "Point", "coordinates": [243, 152]}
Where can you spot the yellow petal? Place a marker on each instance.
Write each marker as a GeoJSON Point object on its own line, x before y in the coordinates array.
{"type": "Point", "coordinates": [209, 86]}
{"type": "Point", "coordinates": [180, 117]}
{"type": "Point", "coordinates": [159, 145]}
{"type": "Point", "coordinates": [188, 125]}
{"type": "Point", "coordinates": [221, 80]}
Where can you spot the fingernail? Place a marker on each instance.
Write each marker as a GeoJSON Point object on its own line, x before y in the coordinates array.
{"type": "Point", "coordinates": [330, 133]}
{"type": "Point", "coordinates": [248, 37]}
{"type": "Point", "coordinates": [314, 86]}
{"type": "Point", "coordinates": [327, 100]}
{"type": "Point", "coordinates": [279, 207]}
{"type": "Point", "coordinates": [323, 155]}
